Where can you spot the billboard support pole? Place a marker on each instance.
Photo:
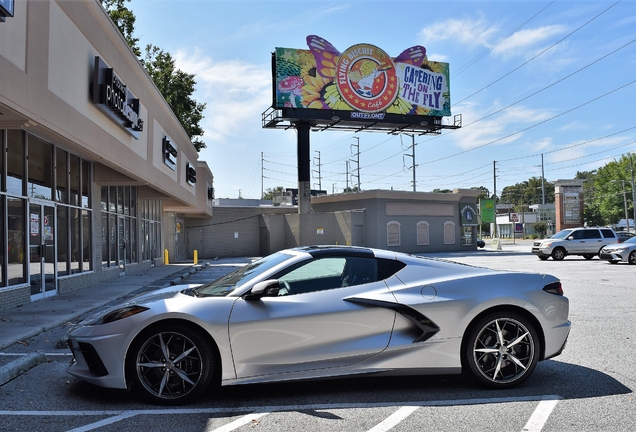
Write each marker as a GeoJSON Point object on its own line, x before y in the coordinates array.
{"type": "Point", "coordinates": [304, 170]}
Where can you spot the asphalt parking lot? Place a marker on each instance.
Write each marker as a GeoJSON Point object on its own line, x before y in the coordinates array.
{"type": "Point", "coordinates": [588, 388]}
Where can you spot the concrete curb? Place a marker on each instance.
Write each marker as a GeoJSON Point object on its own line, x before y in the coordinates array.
{"type": "Point", "coordinates": [18, 367]}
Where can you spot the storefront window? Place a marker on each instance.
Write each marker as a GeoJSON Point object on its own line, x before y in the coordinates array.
{"type": "Point", "coordinates": [86, 184]}
{"type": "Point", "coordinates": [87, 263]}
{"type": "Point", "coordinates": [16, 238]}
{"type": "Point", "coordinates": [75, 241]}
{"type": "Point", "coordinates": [62, 241]}
{"type": "Point", "coordinates": [61, 171]}
{"type": "Point", "coordinates": [40, 182]}
{"type": "Point", "coordinates": [15, 162]}
{"type": "Point", "coordinates": [75, 180]}
{"type": "Point", "coordinates": [467, 235]}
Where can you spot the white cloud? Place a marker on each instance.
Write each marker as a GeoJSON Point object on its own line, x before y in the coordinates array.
{"type": "Point", "coordinates": [497, 130]}
{"type": "Point", "coordinates": [465, 31]}
{"type": "Point", "coordinates": [524, 41]}
{"type": "Point", "coordinates": [236, 92]}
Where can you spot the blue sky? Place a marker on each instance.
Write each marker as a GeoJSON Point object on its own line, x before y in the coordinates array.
{"type": "Point", "coordinates": [529, 78]}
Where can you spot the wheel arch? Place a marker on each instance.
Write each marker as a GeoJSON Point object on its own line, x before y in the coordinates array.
{"type": "Point", "coordinates": [504, 308]}
{"type": "Point", "coordinates": [180, 322]}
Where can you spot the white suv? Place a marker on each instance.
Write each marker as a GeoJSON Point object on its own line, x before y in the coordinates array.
{"type": "Point", "coordinates": [587, 242]}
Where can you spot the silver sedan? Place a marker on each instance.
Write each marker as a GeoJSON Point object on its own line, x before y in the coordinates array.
{"type": "Point", "coordinates": [625, 251]}
{"type": "Point", "coordinates": [321, 312]}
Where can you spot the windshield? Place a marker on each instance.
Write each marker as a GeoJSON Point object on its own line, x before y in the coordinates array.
{"type": "Point", "coordinates": [231, 281]}
{"type": "Point", "coordinates": [562, 234]}
{"type": "Point", "coordinates": [631, 240]}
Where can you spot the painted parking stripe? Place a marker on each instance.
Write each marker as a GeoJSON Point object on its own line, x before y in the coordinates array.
{"type": "Point", "coordinates": [104, 422]}
{"type": "Point", "coordinates": [534, 424]}
{"type": "Point", "coordinates": [391, 421]}
{"type": "Point", "coordinates": [238, 423]}
{"type": "Point", "coordinates": [540, 415]}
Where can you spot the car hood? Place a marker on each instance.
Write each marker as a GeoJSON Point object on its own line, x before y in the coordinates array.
{"type": "Point", "coordinates": [161, 294]}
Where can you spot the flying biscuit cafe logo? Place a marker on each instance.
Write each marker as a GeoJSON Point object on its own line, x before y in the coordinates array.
{"type": "Point", "coordinates": [366, 78]}
{"type": "Point", "coordinates": [112, 96]}
{"type": "Point", "coordinates": [363, 79]}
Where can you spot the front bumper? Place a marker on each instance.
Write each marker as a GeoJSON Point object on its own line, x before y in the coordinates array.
{"type": "Point", "coordinates": [611, 256]}
{"type": "Point", "coordinates": [99, 360]}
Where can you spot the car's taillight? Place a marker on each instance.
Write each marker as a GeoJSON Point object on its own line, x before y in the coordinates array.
{"type": "Point", "coordinates": [554, 288]}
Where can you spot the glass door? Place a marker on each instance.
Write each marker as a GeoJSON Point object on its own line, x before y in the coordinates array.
{"type": "Point", "coordinates": [42, 262]}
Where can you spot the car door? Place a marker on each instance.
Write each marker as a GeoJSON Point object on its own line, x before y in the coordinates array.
{"type": "Point", "coordinates": [311, 324]}
{"type": "Point", "coordinates": [576, 242]}
{"type": "Point", "coordinates": [593, 241]}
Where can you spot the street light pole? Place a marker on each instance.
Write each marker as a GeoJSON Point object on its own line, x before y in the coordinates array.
{"type": "Point", "coordinates": [631, 165]}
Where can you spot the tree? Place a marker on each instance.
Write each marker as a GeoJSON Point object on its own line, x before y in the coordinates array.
{"type": "Point", "coordinates": [175, 85]}
{"type": "Point", "coordinates": [269, 192]}
{"type": "Point", "coordinates": [124, 19]}
{"type": "Point", "coordinates": [541, 228]}
{"type": "Point", "coordinates": [528, 192]}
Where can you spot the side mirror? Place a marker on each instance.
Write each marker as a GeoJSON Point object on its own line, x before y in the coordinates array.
{"type": "Point", "coordinates": [267, 288]}
{"type": "Point", "coordinates": [570, 238]}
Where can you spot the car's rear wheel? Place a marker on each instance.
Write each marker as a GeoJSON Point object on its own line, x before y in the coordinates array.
{"type": "Point", "coordinates": [501, 349]}
{"type": "Point", "coordinates": [588, 256]}
{"type": "Point", "coordinates": [558, 254]}
{"type": "Point", "coordinates": [171, 364]}
{"type": "Point", "coordinates": [632, 257]}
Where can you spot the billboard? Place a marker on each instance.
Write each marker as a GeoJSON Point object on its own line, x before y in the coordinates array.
{"type": "Point", "coordinates": [362, 79]}
{"type": "Point", "coordinates": [487, 210]}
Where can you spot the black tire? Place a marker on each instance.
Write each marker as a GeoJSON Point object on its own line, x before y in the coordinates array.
{"type": "Point", "coordinates": [558, 254]}
{"type": "Point", "coordinates": [543, 257]}
{"type": "Point", "coordinates": [588, 256]}
{"type": "Point", "coordinates": [632, 257]}
{"type": "Point", "coordinates": [171, 364]}
{"type": "Point", "coordinates": [501, 350]}
{"type": "Point", "coordinates": [613, 262]}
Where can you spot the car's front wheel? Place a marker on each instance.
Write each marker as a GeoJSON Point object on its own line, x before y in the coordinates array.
{"type": "Point", "coordinates": [501, 349]}
{"type": "Point", "coordinates": [558, 254]}
{"type": "Point", "coordinates": [632, 257]}
{"type": "Point", "coordinates": [171, 364]}
{"type": "Point", "coordinates": [543, 257]}
{"type": "Point", "coordinates": [588, 256]}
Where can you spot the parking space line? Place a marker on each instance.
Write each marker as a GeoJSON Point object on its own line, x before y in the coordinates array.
{"type": "Point", "coordinates": [391, 421]}
{"type": "Point", "coordinates": [104, 422]}
{"type": "Point", "coordinates": [540, 415]}
{"type": "Point", "coordinates": [238, 423]}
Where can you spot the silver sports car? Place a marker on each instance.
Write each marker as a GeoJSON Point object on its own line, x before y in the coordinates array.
{"type": "Point", "coordinates": [321, 312]}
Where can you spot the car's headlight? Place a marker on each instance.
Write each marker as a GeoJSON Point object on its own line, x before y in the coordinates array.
{"type": "Point", "coordinates": [546, 244]}
{"type": "Point", "coordinates": [116, 315]}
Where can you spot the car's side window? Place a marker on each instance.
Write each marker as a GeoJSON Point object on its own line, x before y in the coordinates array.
{"type": "Point", "coordinates": [608, 233]}
{"type": "Point", "coordinates": [577, 235]}
{"type": "Point", "coordinates": [592, 234]}
{"type": "Point", "coordinates": [327, 273]}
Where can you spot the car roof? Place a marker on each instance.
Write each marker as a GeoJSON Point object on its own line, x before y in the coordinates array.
{"type": "Point", "coordinates": [319, 251]}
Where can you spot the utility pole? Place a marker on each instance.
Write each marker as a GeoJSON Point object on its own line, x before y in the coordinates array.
{"type": "Point", "coordinates": [542, 182]}
{"type": "Point", "coordinates": [631, 165]}
{"type": "Point", "coordinates": [494, 194]}
{"type": "Point", "coordinates": [319, 176]}
{"type": "Point", "coordinates": [347, 177]}
{"type": "Point", "coordinates": [262, 177]}
{"type": "Point", "coordinates": [357, 161]}
{"type": "Point", "coordinates": [625, 203]}
{"type": "Point", "coordinates": [412, 155]}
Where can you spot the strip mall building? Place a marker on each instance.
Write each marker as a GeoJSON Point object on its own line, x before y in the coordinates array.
{"type": "Point", "coordinates": [98, 178]}
{"type": "Point", "coordinates": [92, 156]}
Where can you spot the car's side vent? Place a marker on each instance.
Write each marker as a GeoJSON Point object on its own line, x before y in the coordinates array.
{"type": "Point", "coordinates": [554, 288]}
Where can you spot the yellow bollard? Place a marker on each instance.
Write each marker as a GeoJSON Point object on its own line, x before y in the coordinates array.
{"type": "Point", "coordinates": [165, 257]}
{"type": "Point", "coordinates": [196, 257]}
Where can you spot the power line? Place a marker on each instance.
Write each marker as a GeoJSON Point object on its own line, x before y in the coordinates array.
{"type": "Point", "coordinates": [538, 55]}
